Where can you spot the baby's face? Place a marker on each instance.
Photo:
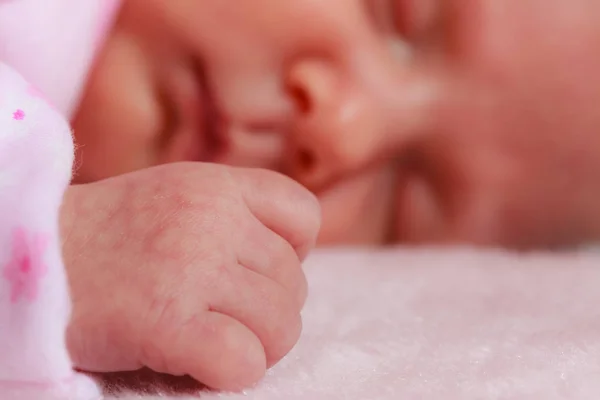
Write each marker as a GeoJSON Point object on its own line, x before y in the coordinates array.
{"type": "Point", "coordinates": [417, 120]}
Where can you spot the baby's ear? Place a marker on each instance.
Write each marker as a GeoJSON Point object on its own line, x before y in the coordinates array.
{"type": "Point", "coordinates": [36, 155]}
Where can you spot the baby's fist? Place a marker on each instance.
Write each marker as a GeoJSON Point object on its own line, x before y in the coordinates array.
{"type": "Point", "coordinates": [189, 269]}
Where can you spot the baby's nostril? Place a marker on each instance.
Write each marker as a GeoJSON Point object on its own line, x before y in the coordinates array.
{"type": "Point", "coordinates": [301, 98]}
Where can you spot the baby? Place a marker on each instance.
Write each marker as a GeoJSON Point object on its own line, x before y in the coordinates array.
{"type": "Point", "coordinates": [419, 121]}
{"type": "Point", "coordinates": [208, 282]}
{"type": "Point", "coordinates": [413, 121]}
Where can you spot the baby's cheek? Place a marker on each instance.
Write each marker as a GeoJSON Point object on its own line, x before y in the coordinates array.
{"type": "Point", "coordinates": [117, 127]}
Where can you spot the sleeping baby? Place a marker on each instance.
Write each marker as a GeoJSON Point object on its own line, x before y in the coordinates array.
{"type": "Point", "coordinates": [461, 121]}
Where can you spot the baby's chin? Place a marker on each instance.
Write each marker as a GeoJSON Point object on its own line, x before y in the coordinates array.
{"type": "Point", "coordinates": [358, 211]}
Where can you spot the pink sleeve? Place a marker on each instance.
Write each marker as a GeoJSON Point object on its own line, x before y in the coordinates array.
{"type": "Point", "coordinates": [53, 42]}
{"type": "Point", "coordinates": [36, 156]}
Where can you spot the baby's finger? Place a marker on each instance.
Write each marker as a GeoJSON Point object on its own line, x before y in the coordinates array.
{"type": "Point", "coordinates": [212, 348]}
{"type": "Point", "coordinates": [268, 254]}
{"type": "Point", "coordinates": [284, 206]}
{"type": "Point", "coordinates": [265, 308]}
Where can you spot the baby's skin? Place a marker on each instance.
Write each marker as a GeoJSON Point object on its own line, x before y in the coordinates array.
{"type": "Point", "coordinates": [188, 269]}
{"type": "Point", "coordinates": [184, 268]}
{"type": "Point", "coordinates": [413, 121]}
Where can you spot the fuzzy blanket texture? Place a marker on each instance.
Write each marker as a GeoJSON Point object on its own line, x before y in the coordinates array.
{"type": "Point", "coordinates": [430, 324]}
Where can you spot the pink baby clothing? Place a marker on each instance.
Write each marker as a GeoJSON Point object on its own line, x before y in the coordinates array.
{"type": "Point", "coordinates": [46, 48]}
{"type": "Point", "coordinates": [36, 155]}
{"type": "Point", "coordinates": [52, 43]}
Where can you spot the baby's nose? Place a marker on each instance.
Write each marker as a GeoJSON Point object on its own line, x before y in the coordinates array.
{"type": "Point", "coordinates": [335, 123]}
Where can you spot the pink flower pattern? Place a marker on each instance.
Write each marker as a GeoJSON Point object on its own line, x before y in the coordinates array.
{"type": "Point", "coordinates": [26, 267]}
{"type": "Point", "coordinates": [19, 115]}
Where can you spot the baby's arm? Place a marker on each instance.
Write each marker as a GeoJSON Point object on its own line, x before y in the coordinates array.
{"type": "Point", "coordinates": [36, 156]}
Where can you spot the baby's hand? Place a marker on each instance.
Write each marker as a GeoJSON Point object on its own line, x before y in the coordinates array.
{"type": "Point", "coordinates": [188, 269]}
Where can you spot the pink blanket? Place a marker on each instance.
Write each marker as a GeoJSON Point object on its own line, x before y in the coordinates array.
{"type": "Point", "coordinates": [430, 324]}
